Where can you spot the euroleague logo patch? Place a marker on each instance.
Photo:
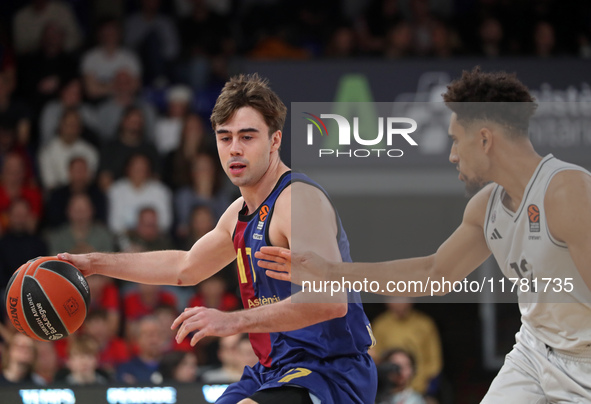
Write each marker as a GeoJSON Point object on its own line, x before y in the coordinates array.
{"type": "Point", "coordinates": [533, 213]}
{"type": "Point", "coordinates": [263, 213]}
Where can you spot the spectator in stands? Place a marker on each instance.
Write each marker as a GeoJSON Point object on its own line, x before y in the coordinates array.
{"type": "Point", "coordinates": [378, 19]}
{"type": "Point", "coordinates": [401, 326]}
{"type": "Point", "coordinates": [203, 35]}
{"type": "Point", "coordinates": [137, 190]}
{"type": "Point", "coordinates": [491, 35]}
{"type": "Point", "coordinates": [13, 185]}
{"type": "Point", "coordinates": [144, 367]}
{"type": "Point", "coordinates": [18, 357]}
{"type": "Point", "coordinates": [113, 350]}
{"type": "Point", "coordinates": [274, 44]}
{"type": "Point", "coordinates": [70, 97]}
{"type": "Point", "coordinates": [235, 352]}
{"type": "Point", "coordinates": [29, 22]}
{"type": "Point", "coordinates": [342, 43]}
{"type": "Point", "coordinates": [422, 23]}
{"type": "Point", "coordinates": [79, 182]}
{"type": "Point", "coordinates": [83, 362]}
{"type": "Point", "coordinates": [44, 72]}
{"type": "Point", "coordinates": [110, 112]}
{"type": "Point", "coordinates": [81, 234]}
{"type": "Point", "coordinates": [19, 243]}
{"type": "Point", "coordinates": [544, 39]}
{"type": "Point", "coordinates": [229, 371]}
{"type": "Point", "coordinates": [105, 296]}
{"type": "Point", "coordinates": [169, 127]}
{"type": "Point", "coordinates": [444, 41]}
{"type": "Point", "coordinates": [166, 314]}
{"type": "Point", "coordinates": [153, 36]}
{"type": "Point", "coordinates": [179, 367]}
{"type": "Point", "coordinates": [130, 140]}
{"type": "Point", "coordinates": [147, 234]}
{"type": "Point", "coordinates": [10, 145]}
{"type": "Point", "coordinates": [397, 371]}
{"type": "Point", "coordinates": [46, 364]}
{"type": "Point", "coordinates": [8, 61]}
{"type": "Point", "coordinates": [201, 221]}
{"type": "Point", "coordinates": [193, 142]}
{"type": "Point", "coordinates": [13, 112]}
{"type": "Point", "coordinates": [213, 293]}
{"type": "Point", "coordinates": [398, 41]}
{"type": "Point", "coordinates": [144, 299]}
{"type": "Point", "coordinates": [206, 188]}
{"type": "Point", "coordinates": [202, 30]}
{"type": "Point", "coordinates": [55, 157]}
{"type": "Point", "coordinates": [101, 64]}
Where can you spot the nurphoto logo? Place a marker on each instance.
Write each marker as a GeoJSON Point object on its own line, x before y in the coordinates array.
{"type": "Point", "coordinates": [391, 127]}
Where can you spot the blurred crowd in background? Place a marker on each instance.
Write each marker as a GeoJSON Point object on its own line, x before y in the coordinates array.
{"type": "Point", "coordinates": [105, 145]}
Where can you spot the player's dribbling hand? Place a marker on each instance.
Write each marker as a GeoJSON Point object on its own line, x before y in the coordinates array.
{"type": "Point", "coordinates": [205, 322]}
{"type": "Point", "coordinates": [80, 261]}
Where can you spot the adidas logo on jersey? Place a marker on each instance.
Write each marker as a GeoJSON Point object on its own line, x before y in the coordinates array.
{"type": "Point", "coordinates": [495, 235]}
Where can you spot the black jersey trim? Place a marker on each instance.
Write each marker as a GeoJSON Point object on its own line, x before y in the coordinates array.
{"type": "Point", "coordinates": [491, 204]}
{"type": "Point", "coordinates": [531, 185]}
{"type": "Point", "coordinates": [247, 218]}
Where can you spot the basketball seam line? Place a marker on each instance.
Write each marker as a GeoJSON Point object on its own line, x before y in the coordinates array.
{"type": "Point", "coordinates": [23, 308]}
{"type": "Point", "coordinates": [21, 297]}
{"type": "Point", "coordinates": [52, 306]}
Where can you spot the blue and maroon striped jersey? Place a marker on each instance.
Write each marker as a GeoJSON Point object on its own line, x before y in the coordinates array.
{"type": "Point", "coordinates": [348, 335]}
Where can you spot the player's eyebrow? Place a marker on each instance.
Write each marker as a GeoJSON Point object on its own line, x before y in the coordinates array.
{"type": "Point", "coordinates": [243, 130]}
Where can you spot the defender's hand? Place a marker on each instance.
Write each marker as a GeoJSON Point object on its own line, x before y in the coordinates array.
{"type": "Point", "coordinates": [285, 265]}
{"type": "Point", "coordinates": [277, 261]}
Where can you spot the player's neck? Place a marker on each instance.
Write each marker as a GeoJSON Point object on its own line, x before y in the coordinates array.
{"type": "Point", "coordinates": [515, 172]}
{"type": "Point", "coordinates": [255, 195]}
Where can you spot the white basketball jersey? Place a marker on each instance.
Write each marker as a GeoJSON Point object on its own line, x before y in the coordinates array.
{"type": "Point", "coordinates": [523, 247]}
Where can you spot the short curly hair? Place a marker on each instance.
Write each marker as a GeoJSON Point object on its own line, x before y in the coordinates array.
{"type": "Point", "coordinates": [496, 96]}
{"type": "Point", "coordinates": [249, 90]}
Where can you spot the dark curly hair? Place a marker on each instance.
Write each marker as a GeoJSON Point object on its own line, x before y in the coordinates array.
{"type": "Point", "coordinates": [496, 96]}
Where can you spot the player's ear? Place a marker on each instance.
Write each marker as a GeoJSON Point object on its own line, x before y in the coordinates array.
{"type": "Point", "coordinates": [486, 139]}
{"type": "Point", "coordinates": [276, 140]}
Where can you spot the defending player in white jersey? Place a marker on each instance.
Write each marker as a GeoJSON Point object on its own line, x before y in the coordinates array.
{"type": "Point", "coordinates": [535, 218]}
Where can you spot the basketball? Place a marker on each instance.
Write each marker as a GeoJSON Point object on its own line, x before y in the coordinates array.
{"type": "Point", "coordinates": [47, 299]}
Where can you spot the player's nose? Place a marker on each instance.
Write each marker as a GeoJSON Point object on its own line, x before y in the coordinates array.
{"type": "Point", "coordinates": [453, 156]}
{"type": "Point", "coordinates": [235, 148]}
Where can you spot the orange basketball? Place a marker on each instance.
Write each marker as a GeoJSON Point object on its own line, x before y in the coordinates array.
{"type": "Point", "coordinates": [47, 298]}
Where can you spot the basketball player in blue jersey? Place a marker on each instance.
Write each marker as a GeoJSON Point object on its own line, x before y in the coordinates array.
{"type": "Point", "coordinates": [535, 218]}
{"type": "Point", "coordinates": [307, 353]}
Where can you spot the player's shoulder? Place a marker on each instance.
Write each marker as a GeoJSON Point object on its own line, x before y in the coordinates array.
{"type": "Point", "coordinates": [230, 216]}
{"type": "Point", "coordinates": [475, 211]}
{"type": "Point", "coordinates": [566, 187]}
{"type": "Point", "coordinates": [569, 180]}
{"type": "Point", "coordinates": [302, 192]}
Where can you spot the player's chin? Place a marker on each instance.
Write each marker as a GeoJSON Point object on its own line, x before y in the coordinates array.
{"type": "Point", "coordinates": [473, 187]}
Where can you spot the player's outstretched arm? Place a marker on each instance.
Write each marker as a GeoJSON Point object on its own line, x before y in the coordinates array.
{"type": "Point", "coordinates": [169, 267]}
{"type": "Point", "coordinates": [315, 213]}
{"type": "Point", "coordinates": [459, 255]}
{"type": "Point", "coordinates": [568, 211]}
